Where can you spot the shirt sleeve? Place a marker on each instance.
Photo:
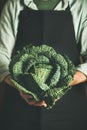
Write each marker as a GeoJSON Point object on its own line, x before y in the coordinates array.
{"type": "Point", "coordinates": [83, 39]}
{"type": "Point", "coordinates": [8, 31]}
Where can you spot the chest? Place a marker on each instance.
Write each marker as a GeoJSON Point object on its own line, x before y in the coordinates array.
{"type": "Point", "coordinates": [53, 28]}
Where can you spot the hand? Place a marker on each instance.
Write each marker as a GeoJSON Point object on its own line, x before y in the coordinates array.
{"type": "Point", "coordinates": [28, 98]}
{"type": "Point", "coordinates": [79, 77]}
{"type": "Point", "coordinates": [31, 101]}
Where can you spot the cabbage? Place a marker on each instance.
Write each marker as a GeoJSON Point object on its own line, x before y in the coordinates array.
{"type": "Point", "coordinates": [42, 72]}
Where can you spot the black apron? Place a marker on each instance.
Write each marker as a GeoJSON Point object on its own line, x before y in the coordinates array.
{"type": "Point", "coordinates": [53, 28]}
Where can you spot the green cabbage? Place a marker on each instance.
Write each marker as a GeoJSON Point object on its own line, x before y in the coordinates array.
{"type": "Point", "coordinates": [42, 72]}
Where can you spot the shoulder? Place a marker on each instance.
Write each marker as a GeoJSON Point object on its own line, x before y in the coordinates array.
{"type": "Point", "coordinates": [14, 3]}
{"type": "Point", "coordinates": [13, 6]}
{"type": "Point", "coordinates": [81, 4]}
{"type": "Point", "coordinates": [21, 2]}
{"type": "Point", "coordinates": [11, 10]}
{"type": "Point", "coordinates": [78, 3]}
{"type": "Point", "coordinates": [78, 7]}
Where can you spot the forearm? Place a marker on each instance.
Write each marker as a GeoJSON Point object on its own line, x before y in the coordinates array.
{"type": "Point", "coordinates": [4, 65]}
{"type": "Point", "coordinates": [28, 98]}
{"type": "Point", "coordinates": [7, 38]}
{"type": "Point", "coordinates": [8, 80]}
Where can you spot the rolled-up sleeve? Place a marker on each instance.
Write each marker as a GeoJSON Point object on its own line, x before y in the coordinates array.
{"type": "Point", "coordinates": [7, 38]}
{"type": "Point", "coordinates": [83, 39]}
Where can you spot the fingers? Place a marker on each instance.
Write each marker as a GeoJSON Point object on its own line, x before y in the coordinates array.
{"type": "Point", "coordinates": [56, 99]}
{"type": "Point", "coordinates": [41, 103]}
{"type": "Point", "coordinates": [31, 101]}
{"type": "Point", "coordinates": [26, 95]}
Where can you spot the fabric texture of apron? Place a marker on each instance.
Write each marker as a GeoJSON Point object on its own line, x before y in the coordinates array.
{"type": "Point", "coordinates": [53, 28]}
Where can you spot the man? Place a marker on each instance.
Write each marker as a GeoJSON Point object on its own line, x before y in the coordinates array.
{"type": "Point", "coordinates": [68, 18]}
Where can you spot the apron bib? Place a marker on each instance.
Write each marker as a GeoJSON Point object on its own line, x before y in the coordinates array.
{"type": "Point", "coordinates": [54, 28]}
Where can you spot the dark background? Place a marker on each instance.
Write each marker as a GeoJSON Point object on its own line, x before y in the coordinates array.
{"type": "Point", "coordinates": [2, 90]}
